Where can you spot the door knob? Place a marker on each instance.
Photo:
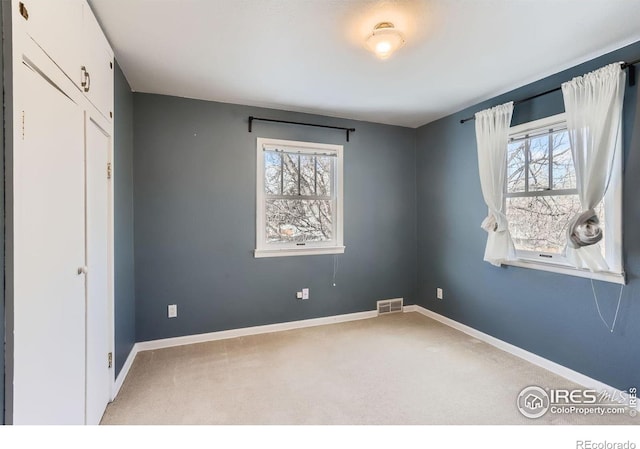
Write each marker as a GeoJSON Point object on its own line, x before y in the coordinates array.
{"type": "Point", "coordinates": [82, 270]}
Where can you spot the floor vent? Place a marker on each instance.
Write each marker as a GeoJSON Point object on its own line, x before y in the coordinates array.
{"type": "Point", "coordinates": [389, 306]}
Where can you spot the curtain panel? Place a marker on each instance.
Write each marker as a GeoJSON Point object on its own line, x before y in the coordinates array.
{"type": "Point", "coordinates": [593, 105]}
{"type": "Point", "coordinates": [492, 133]}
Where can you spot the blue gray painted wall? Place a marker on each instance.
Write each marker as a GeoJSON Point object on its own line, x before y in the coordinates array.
{"type": "Point", "coordinates": [7, 69]}
{"type": "Point", "coordinates": [549, 314]}
{"type": "Point", "coordinates": [194, 184]}
{"type": "Point", "coordinates": [125, 331]}
{"type": "Point", "coordinates": [2, 227]}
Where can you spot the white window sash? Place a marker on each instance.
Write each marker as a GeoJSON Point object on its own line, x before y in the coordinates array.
{"type": "Point", "coordinates": [278, 249]}
{"type": "Point", "coordinates": [557, 262]}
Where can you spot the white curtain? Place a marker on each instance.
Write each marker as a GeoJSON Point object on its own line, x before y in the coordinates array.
{"type": "Point", "coordinates": [492, 133]}
{"type": "Point", "coordinates": [593, 104]}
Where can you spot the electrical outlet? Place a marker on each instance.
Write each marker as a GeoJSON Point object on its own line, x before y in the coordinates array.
{"type": "Point", "coordinates": [299, 295]}
{"type": "Point", "coordinates": [305, 293]}
{"type": "Point", "coordinates": [439, 293]}
{"type": "Point", "coordinates": [172, 310]}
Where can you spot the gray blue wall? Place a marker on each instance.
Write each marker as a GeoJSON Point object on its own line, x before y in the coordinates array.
{"type": "Point", "coordinates": [194, 184]}
{"type": "Point", "coordinates": [551, 315]}
{"type": "Point", "coordinates": [7, 69]}
{"type": "Point", "coordinates": [125, 331]}
{"type": "Point", "coordinates": [2, 227]}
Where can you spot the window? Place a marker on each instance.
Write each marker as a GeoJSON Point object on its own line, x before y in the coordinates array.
{"type": "Point", "coordinates": [541, 198]}
{"type": "Point", "coordinates": [299, 198]}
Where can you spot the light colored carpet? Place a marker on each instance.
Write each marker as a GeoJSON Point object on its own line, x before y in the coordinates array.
{"type": "Point", "coordinates": [397, 369]}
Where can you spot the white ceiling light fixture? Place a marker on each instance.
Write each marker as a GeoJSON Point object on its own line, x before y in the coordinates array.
{"type": "Point", "coordinates": [384, 40]}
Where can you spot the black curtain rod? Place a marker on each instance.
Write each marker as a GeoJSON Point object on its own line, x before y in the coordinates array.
{"type": "Point", "coordinates": [632, 82]}
{"type": "Point", "coordinates": [251, 119]}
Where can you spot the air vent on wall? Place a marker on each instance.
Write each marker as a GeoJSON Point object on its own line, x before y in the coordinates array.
{"type": "Point", "coordinates": [389, 306]}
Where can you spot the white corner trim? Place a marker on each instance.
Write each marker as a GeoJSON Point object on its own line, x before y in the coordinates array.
{"type": "Point", "coordinates": [530, 357]}
{"type": "Point", "coordinates": [254, 330]}
{"type": "Point", "coordinates": [125, 370]}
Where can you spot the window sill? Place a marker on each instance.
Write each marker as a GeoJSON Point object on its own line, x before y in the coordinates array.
{"type": "Point", "coordinates": [260, 253]}
{"type": "Point", "coordinates": [563, 269]}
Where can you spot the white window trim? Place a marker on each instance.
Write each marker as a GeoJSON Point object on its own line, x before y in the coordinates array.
{"type": "Point", "coordinates": [264, 249]}
{"type": "Point", "coordinates": [569, 270]}
{"type": "Point", "coordinates": [613, 211]}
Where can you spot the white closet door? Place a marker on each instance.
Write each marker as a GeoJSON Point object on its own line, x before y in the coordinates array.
{"type": "Point", "coordinates": [98, 144]}
{"type": "Point", "coordinates": [49, 345]}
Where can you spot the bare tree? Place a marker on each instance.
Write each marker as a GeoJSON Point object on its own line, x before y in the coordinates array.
{"type": "Point", "coordinates": [299, 205]}
{"type": "Point", "coordinates": [541, 192]}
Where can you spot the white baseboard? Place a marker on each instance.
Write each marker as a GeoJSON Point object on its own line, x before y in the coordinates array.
{"type": "Point", "coordinates": [233, 333]}
{"type": "Point", "coordinates": [254, 330]}
{"type": "Point", "coordinates": [530, 357]}
{"type": "Point", "coordinates": [124, 371]}
{"type": "Point", "coordinates": [554, 367]}
{"type": "Point", "coordinates": [242, 332]}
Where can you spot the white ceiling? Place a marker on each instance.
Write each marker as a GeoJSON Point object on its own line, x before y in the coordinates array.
{"type": "Point", "coordinates": [308, 55]}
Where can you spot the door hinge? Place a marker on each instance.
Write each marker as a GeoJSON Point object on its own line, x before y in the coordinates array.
{"type": "Point", "coordinates": [23, 11]}
{"type": "Point", "coordinates": [22, 125]}
{"type": "Point", "coordinates": [110, 358]}
{"type": "Point", "coordinates": [108, 170]}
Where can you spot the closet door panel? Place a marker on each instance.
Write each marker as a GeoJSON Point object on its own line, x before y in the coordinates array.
{"type": "Point", "coordinates": [49, 289]}
{"type": "Point", "coordinates": [98, 145]}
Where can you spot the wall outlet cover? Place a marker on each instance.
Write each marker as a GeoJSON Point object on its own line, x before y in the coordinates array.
{"type": "Point", "coordinates": [172, 310]}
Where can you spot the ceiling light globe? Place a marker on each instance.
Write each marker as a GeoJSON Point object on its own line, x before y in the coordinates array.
{"type": "Point", "coordinates": [383, 47]}
{"type": "Point", "coordinates": [384, 40]}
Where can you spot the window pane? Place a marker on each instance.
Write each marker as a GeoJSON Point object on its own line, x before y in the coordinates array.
{"type": "Point", "coordinates": [299, 220]}
{"type": "Point", "coordinates": [325, 167]}
{"type": "Point", "coordinates": [272, 172]}
{"type": "Point", "coordinates": [539, 163]}
{"type": "Point", "coordinates": [307, 173]}
{"type": "Point", "coordinates": [515, 167]}
{"type": "Point", "coordinates": [564, 176]}
{"type": "Point", "coordinates": [290, 174]}
{"type": "Point", "coordinates": [540, 223]}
